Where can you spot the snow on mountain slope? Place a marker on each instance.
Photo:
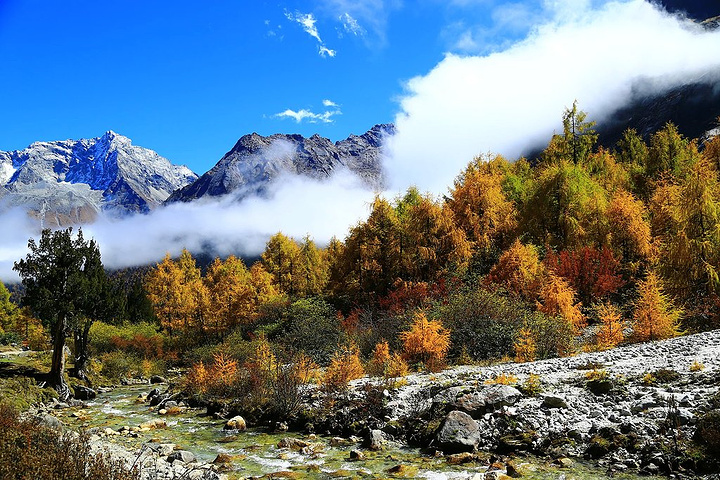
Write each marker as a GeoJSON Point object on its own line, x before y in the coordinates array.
{"type": "Point", "coordinates": [71, 181]}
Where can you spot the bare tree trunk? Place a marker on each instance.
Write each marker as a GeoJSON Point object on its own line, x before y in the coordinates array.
{"type": "Point", "coordinates": [56, 377]}
{"type": "Point", "coordinates": [82, 356]}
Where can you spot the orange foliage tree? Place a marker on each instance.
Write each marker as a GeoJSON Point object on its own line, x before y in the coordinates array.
{"type": "Point", "coordinates": [592, 272]}
{"type": "Point", "coordinates": [655, 316]}
{"type": "Point", "coordinates": [426, 342]}
{"type": "Point", "coordinates": [557, 298]}
{"type": "Point", "coordinates": [344, 366]}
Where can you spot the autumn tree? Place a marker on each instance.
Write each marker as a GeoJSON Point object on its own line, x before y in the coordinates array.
{"type": "Point", "coordinates": [8, 310]}
{"type": "Point", "coordinates": [178, 294]}
{"type": "Point", "coordinates": [577, 140]}
{"type": "Point", "coordinates": [481, 207]}
{"type": "Point", "coordinates": [557, 298]}
{"type": "Point", "coordinates": [432, 246]}
{"type": "Point", "coordinates": [669, 153]}
{"type": "Point", "coordinates": [525, 349]}
{"type": "Point", "coordinates": [427, 342]}
{"type": "Point", "coordinates": [591, 272]}
{"type": "Point", "coordinates": [232, 299]}
{"type": "Point", "coordinates": [655, 316]}
{"type": "Point", "coordinates": [60, 275]}
{"type": "Point", "coordinates": [686, 221]}
{"type": "Point", "coordinates": [519, 270]}
{"type": "Point", "coordinates": [314, 269]}
{"type": "Point", "coordinates": [281, 259]}
{"type": "Point", "coordinates": [628, 228]}
{"type": "Point", "coordinates": [611, 331]}
{"type": "Point", "coordinates": [370, 260]}
{"type": "Point", "coordinates": [566, 207]}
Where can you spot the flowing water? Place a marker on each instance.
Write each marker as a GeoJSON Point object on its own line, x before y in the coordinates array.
{"type": "Point", "coordinates": [256, 453]}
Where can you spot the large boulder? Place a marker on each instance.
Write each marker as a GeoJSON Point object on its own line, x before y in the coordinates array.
{"type": "Point", "coordinates": [82, 392]}
{"type": "Point", "coordinates": [183, 456]}
{"type": "Point", "coordinates": [235, 423]}
{"type": "Point", "coordinates": [487, 398]}
{"type": "Point", "coordinates": [458, 433]}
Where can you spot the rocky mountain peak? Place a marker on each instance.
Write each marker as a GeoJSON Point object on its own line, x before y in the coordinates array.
{"type": "Point", "coordinates": [256, 161]}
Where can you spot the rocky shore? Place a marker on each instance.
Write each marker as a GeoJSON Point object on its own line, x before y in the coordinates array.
{"type": "Point", "coordinates": [645, 408]}
{"type": "Point", "coordinates": [635, 408]}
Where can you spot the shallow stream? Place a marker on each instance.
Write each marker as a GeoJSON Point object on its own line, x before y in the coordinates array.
{"type": "Point", "coordinates": [255, 453]}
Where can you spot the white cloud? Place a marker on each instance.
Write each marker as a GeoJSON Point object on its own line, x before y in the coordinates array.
{"type": "Point", "coordinates": [307, 22]}
{"type": "Point", "coordinates": [326, 52]}
{"type": "Point", "coordinates": [303, 114]}
{"type": "Point", "coordinates": [330, 103]}
{"type": "Point", "coordinates": [509, 101]}
{"type": "Point", "coordinates": [350, 25]}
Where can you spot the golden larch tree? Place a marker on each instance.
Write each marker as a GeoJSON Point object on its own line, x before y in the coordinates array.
{"type": "Point", "coordinates": [655, 316]}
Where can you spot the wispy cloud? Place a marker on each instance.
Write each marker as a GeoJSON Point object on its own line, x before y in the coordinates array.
{"type": "Point", "coordinates": [307, 21]}
{"type": "Point", "coordinates": [310, 116]}
{"type": "Point", "coordinates": [350, 25]}
{"type": "Point", "coordinates": [367, 19]}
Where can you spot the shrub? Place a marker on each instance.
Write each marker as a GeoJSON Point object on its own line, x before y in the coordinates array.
{"type": "Point", "coordinates": [502, 379]}
{"type": "Point", "coordinates": [427, 343]}
{"type": "Point", "coordinates": [525, 347]}
{"type": "Point", "coordinates": [344, 366]}
{"type": "Point", "coordinates": [708, 431]}
{"type": "Point", "coordinates": [378, 362]}
{"type": "Point", "coordinates": [532, 386]}
{"type": "Point", "coordinates": [697, 366]}
{"type": "Point", "coordinates": [31, 450]}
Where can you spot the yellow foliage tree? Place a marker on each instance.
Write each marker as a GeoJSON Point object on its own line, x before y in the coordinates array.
{"type": "Point", "coordinates": [481, 207]}
{"type": "Point", "coordinates": [426, 342]}
{"type": "Point", "coordinates": [178, 295]}
{"type": "Point", "coordinates": [655, 316]}
{"type": "Point", "coordinates": [628, 229]}
{"type": "Point", "coordinates": [557, 298]}
{"type": "Point", "coordinates": [611, 332]}
{"type": "Point", "coordinates": [519, 269]}
{"type": "Point", "coordinates": [525, 349]}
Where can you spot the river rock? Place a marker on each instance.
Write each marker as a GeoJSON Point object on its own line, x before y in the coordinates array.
{"type": "Point", "coordinates": [82, 392]}
{"type": "Point", "coordinates": [458, 433]}
{"type": "Point", "coordinates": [357, 455]}
{"type": "Point", "coordinates": [51, 422]}
{"type": "Point", "coordinates": [157, 379]}
{"type": "Point", "coordinates": [153, 424]}
{"type": "Point", "coordinates": [183, 456]}
{"type": "Point", "coordinates": [235, 423]}
{"type": "Point", "coordinates": [292, 443]}
{"type": "Point", "coordinates": [375, 440]}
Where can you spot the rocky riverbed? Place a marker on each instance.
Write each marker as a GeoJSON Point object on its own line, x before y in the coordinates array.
{"type": "Point", "coordinates": [637, 409]}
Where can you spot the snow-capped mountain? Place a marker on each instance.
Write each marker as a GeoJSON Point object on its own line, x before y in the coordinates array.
{"type": "Point", "coordinates": [71, 181]}
{"type": "Point", "coordinates": [255, 161]}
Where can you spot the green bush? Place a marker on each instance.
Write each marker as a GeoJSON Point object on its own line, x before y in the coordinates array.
{"type": "Point", "coordinates": [140, 339]}
{"type": "Point", "coordinates": [311, 326]}
{"type": "Point", "coordinates": [8, 338]}
{"type": "Point", "coordinates": [23, 392]}
{"type": "Point", "coordinates": [708, 431]}
{"type": "Point", "coordinates": [29, 450]}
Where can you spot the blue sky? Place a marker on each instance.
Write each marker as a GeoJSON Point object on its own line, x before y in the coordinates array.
{"type": "Point", "coordinates": [188, 80]}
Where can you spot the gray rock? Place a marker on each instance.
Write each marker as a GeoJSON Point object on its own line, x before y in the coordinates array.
{"type": "Point", "coordinates": [84, 393]}
{"type": "Point", "coordinates": [458, 433]}
{"type": "Point", "coordinates": [158, 379]}
{"type": "Point", "coordinates": [554, 401]}
{"type": "Point", "coordinates": [51, 422]}
{"type": "Point", "coordinates": [375, 440]}
{"type": "Point", "coordinates": [183, 456]}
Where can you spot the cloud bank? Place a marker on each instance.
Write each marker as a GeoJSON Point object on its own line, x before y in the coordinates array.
{"type": "Point", "coordinates": [510, 101]}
